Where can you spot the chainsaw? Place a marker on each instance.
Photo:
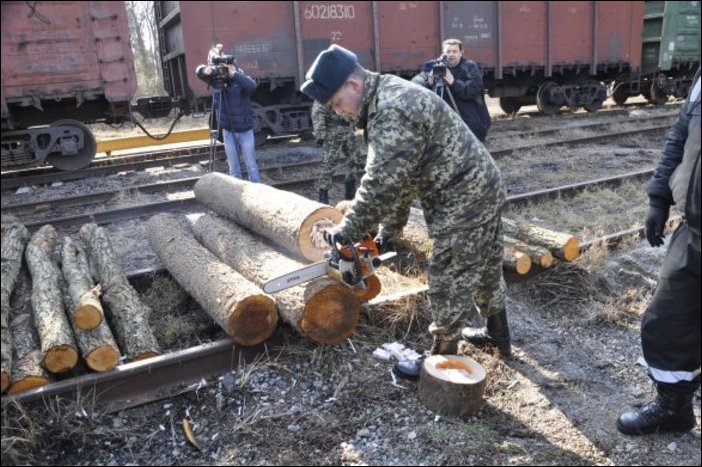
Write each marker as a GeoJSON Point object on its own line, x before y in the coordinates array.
{"type": "Point", "coordinates": [351, 265]}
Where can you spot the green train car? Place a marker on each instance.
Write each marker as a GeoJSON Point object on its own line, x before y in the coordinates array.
{"type": "Point", "coordinates": [670, 53]}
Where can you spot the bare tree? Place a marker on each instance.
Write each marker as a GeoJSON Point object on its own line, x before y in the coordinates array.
{"type": "Point", "coordinates": [144, 37]}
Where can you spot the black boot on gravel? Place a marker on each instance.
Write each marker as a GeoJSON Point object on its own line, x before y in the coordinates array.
{"type": "Point", "coordinates": [495, 333]}
{"type": "Point", "coordinates": [669, 412]}
{"type": "Point", "coordinates": [410, 369]}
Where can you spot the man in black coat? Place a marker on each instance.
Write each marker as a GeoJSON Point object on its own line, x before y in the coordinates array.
{"type": "Point", "coordinates": [670, 330]}
{"type": "Point", "coordinates": [463, 82]}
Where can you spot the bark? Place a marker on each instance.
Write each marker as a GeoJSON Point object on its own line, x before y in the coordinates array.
{"type": "Point", "coordinates": [128, 315]}
{"type": "Point", "coordinates": [53, 327]}
{"type": "Point", "coordinates": [539, 255]}
{"type": "Point", "coordinates": [323, 309]}
{"type": "Point", "coordinates": [27, 370]}
{"type": "Point", "coordinates": [452, 385]}
{"type": "Point", "coordinates": [287, 219]}
{"type": "Point", "coordinates": [247, 314]}
{"type": "Point", "coordinates": [516, 261]}
{"type": "Point", "coordinates": [86, 311]}
{"type": "Point", "coordinates": [14, 239]}
{"type": "Point", "coordinates": [561, 245]}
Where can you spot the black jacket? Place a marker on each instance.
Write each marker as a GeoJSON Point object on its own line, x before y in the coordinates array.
{"type": "Point", "coordinates": [676, 180]}
{"type": "Point", "coordinates": [468, 91]}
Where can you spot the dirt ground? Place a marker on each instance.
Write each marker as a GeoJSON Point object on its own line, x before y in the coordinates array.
{"type": "Point", "coordinates": [576, 366]}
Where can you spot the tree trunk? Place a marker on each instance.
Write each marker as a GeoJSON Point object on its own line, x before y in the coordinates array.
{"type": "Point", "coordinates": [452, 385]}
{"type": "Point", "coordinates": [323, 309]}
{"type": "Point", "coordinates": [538, 254]}
{"type": "Point", "coordinates": [14, 238]}
{"type": "Point", "coordinates": [53, 327]}
{"type": "Point", "coordinates": [287, 219]}
{"type": "Point", "coordinates": [561, 245]}
{"type": "Point", "coordinates": [98, 347]}
{"type": "Point", "coordinates": [27, 370]}
{"type": "Point", "coordinates": [87, 311]}
{"type": "Point", "coordinates": [247, 314]}
{"type": "Point", "coordinates": [128, 314]}
{"type": "Point", "coordinates": [516, 261]}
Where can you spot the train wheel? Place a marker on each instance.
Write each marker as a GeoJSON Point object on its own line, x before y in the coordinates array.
{"type": "Point", "coordinates": [620, 94]}
{"type": "Point", "coordinates": [84, 156]}
{"type": "Point", "coordinates": [594, 106]}
{"type": "Point", "coordinates": [543, 99]}
{"type": "Point", "coordinates": [509, 105]}
{"type": "Point", "coordinates": [658, 96]}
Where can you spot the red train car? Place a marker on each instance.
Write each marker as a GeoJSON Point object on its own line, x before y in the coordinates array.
{"type": "Point", "coordinates": [62, 60]}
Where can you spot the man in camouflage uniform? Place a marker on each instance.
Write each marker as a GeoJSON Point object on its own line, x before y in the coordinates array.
{"type": "Point", "coordinates": [337, 138]}
{"type": "Point", "coordinates": [418, 147]}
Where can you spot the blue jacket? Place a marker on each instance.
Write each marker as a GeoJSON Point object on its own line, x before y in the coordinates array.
{"type": "Point", "coordinates": [236, 112]}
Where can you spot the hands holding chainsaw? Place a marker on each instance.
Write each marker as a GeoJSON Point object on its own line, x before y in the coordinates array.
{"type": "Point", "coordinates": [333, 236]}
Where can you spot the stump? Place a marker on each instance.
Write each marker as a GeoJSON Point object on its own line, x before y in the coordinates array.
{"type": "Point", "coordinates": [323, 310]}
{"type": "Point", "coordinates": [86, 313]}
{"type": "Point", "coordinates": [287, 219]}
{"type": "Point", "coordinates": [53, 327]}
{"type": "Point", "coordinates": [129, 316]}
{"type": "Point", "coordinates": [14, 238]}
{"type": "Point", "coordinates": [452, 385]}
{"type": "Point", "coordinates": [247, 314]}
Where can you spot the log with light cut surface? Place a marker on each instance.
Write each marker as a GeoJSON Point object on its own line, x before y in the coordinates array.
{"type": "Point", "coordinates": [539, 255]}
{"type": "Point", "coordinates": [87, 311]}
{"type": "Point", "coordinates": [560, 244]}
{"type": "Point", "coordinates": [516, 261]}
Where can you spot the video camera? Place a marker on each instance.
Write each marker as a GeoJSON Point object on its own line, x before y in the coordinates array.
{"type": "Point", "coordinates": [437, 66]}
{"type": "Point", "coordinates": [221, 65]}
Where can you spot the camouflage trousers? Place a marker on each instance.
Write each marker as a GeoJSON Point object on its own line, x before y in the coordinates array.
{"type": "Point", "coordinates": [342, 146]}
{"type": "Point", "coordinates": [465, 277]}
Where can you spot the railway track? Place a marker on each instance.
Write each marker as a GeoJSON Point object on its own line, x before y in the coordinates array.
{"type": "Point", "coordinates": [199, 154]}
{"type": "Point", "coordinates": [179, 371]}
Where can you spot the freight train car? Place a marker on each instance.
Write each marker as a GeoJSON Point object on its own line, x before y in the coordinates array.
{"type": "Point", "coordinates": [63, 64]}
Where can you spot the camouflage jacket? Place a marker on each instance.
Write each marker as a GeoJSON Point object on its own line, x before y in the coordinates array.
{"type": "Point", "coordinates": [418, 147]}
{"type": "Point", "coordinates": [326, 123]}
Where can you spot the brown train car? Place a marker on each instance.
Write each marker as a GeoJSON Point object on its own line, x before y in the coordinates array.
{"type": "Point", "coordinates": [550, 53]}
{"type": "Point", "coordinates": [62, 61]}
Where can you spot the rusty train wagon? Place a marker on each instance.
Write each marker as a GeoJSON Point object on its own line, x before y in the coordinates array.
{"type": "Point", "coordinates": [63, 64]}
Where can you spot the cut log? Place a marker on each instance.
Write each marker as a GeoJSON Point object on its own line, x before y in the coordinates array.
{"type": "Point", "coordinates": [14, 238]}
{"type": "Point", "coordinates": [452, 385]}
{"type": "Point", "coordinates": [247, 314]}
{"type": "Point", "coordinates": [287, 219]}
{"type": "Point", "coordinates": [516, 261]}
{"type": "Point", "coordinates": [539, 255]}
{"type": "Point", "coordinates": [53, 327]}
{"type": "Point", "coordinates": [87, 311]}
{"type": "Point", "coordinates": [323, 309]}
{"type": "Point", "coordinates": [561, 245]}
{"type": "Point", "coordinates": [128, 315]}
{"type": "Point", "coordinates": [27, 370]}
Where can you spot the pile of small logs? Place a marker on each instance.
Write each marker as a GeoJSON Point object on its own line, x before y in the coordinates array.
{"type": "Point", "coordinates": [67, 320]}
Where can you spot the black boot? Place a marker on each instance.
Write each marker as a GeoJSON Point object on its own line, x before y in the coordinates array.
{"type": "Point", "coordinates": [670, 411]}
{"type": "Point", "coordinates": [495, 333]}
{"type": "Point", "coordinates": [410, 369]}
{"type": "Point", "coordinates": [350, 189]}
{"type": "Point", "coordinates": [323, 196]}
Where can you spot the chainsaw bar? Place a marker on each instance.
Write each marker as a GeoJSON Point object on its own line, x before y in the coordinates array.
{"type": "Point", "coordinates": [296, 277]}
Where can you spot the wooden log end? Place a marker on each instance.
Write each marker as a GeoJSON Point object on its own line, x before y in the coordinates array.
{"type": "Point", "coordinates": [571, 250]}
{"type": "Point", "coordinates": [452, 385]}
{"type": "Point", "coordinates": [310, 240]}
{"type": "Point", "coordinates": [371, 291]}
{"type": "Point", "coordinates": [253, 321]}
{"type": "Point", "coordinates": [330, 315]}
{"type": "Point", "coordinates": [30, 382]}
{"type": "Point", "coordinates": [103, 358]}
{"type": "Point", "coordinates": [144, 356]}
{"type": "Point", "coordinates": [546, 260]}
{"type": "Point", "coordinates": [88, 316]}
{"type": "Point", "coordinates": [61, 359]}
{"type": "Point", "coordinates": [523, 264]}
{"type": "Point", "coordinates": [5, 381]}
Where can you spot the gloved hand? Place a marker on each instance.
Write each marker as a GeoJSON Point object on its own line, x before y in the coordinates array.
{"type": "Point", "coordinates": [655, 223]}
{"type": "Point", "coordinates": [332, 236]}
{"type": "Point", "coordinates": [320, 142]}
{"type": "Point", "coordinates": [384, 243]}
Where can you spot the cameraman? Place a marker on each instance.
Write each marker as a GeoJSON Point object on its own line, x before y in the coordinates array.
{"type": "Point", "coordinates": [231, 104]}
{"type": "Point", "coordinates": [464, 83]}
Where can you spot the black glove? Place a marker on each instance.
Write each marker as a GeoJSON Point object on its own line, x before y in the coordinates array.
{"type": "Point", "coordinates": [332, 236]}
{"type": "Point", "coordinates": [320, 142]}
{"type": "Point", "coordinates": [655, 223]}
{"type": "Point", "coordinates": [384, 243]}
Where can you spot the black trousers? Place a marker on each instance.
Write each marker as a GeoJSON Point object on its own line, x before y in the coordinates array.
{"type": "Point", "coordinates": [670, 330]}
